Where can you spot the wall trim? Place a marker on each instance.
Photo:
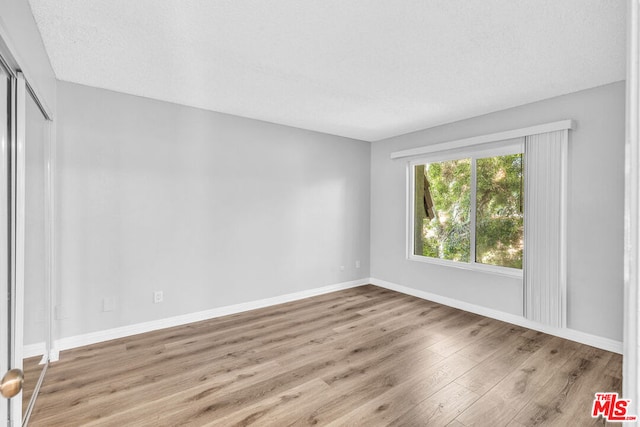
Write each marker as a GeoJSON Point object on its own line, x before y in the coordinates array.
{"type": "Point", "coordinates": [36, 349]}
{"type": "Point", "coordinates": [570, 334]}
{"type": "Point", "coordinates": [483, 139]}
{"type": "Point", "coordinates": [154, 325]}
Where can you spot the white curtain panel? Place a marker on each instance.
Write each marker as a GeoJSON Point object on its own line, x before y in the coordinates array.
{"type": "Point", "coordinates": [545, 227]}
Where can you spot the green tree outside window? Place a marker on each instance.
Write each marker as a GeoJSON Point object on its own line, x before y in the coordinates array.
{"type": "Point", "coordinates": [443, 210]}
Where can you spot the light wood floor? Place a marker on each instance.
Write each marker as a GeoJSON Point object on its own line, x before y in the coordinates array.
{"type": "Point", "coordinates": [360, 357]}
{"type": "Point", "coordinates": [32, 369]}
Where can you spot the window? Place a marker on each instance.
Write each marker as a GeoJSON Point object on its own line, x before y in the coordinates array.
{"type": "Point", "coordinates": [487, 207]}
{"type": "Point", "coordinates": [442, 231]}
{"type": "Point", "coordinates": [469, 209]}
{"type": "Point", "coordinates": [500, 210]}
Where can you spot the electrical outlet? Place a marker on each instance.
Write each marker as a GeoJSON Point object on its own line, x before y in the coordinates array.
{"type": "Point", "coordinates": [158, 297]}
{"type": "Point", "coordinates": [358, 264]}
{"type": "Point", "coordinates": [342, 268]}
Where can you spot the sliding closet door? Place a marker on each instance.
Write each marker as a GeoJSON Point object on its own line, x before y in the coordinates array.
{"type": "Point", "coordinates": [36, 243]}
{"type": "Point", "coordinates": [10, 401]}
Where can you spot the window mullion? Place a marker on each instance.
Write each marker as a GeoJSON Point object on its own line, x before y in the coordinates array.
{"type": "Point", "coordinates": [472, 213]}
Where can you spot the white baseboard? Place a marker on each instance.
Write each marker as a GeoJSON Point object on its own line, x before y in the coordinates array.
{"type": "Point", "coordinates": [570, 334]}
{"type": "Point", "coordinates": [39, 349]}
{"type": "Point", "coordinates": [33, 350]}
{"type": "Point", "coordinates": [139, 328]}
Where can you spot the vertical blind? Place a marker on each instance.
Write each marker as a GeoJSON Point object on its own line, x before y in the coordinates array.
{"type": "Point", "coordinates": [544, 229]}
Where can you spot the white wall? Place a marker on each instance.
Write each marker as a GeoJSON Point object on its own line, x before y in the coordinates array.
{"type": "Point", "coordinates": [211, 209]}
{"type": "Point", "coordinates": [595, 211]}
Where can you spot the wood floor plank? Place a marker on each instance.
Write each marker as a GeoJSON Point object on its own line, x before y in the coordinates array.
{"type": "Point", "coordinates": [498, 339]}
{"type": "Point", "coordinates": [153, 385]}
{"type": "Point", "coordinates": [117, 412]}
{"type": "Point", "coordinates": [363, 356]}
{"type": "Point", "coordinates": [465, 337]}
{"type": "Point", "coordinates": [361, 382]}
{"type": "Point", "coordinates": [566, 399]}
{"type": "Point", "coordinates": [274, 410]}
{"type": "Point", "coordinates": [403, 397]}
{"type": "Point", "coordinates": [175, 363]}
{"type": "Point", "coordinates": [279, 322]}
{"type": "Point", "coordinates": [129, 361]}
{"type": "Point", "coordinates": [439, 409]}
{"type": "Point", "coordinates": [500, 404]}
{"type": "Point", "coordinates": [32, 370]}
{"type": "Point", "coordinates": [372, 316]}
{"type": "Point", "coordinates": [493, 369]}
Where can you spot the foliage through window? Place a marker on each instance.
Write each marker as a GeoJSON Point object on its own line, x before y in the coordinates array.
{"type": "Point", "coordinates": [470, 210]}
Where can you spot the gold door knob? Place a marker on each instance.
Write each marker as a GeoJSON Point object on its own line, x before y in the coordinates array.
{"type": "Point", "coordinates": [11, 383]}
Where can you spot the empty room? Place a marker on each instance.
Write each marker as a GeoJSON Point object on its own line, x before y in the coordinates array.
{"type": "Point", "coordinates": [344, 213]}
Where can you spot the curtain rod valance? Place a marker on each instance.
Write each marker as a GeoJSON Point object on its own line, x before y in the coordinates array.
{"type": "Point", "coordinates": [483, 139]}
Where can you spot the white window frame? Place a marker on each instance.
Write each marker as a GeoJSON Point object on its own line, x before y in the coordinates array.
{"type": "Point", "coordinates": [498, 148]}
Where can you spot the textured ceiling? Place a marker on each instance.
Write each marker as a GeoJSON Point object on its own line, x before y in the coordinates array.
{"type": "Point", "coordinates": [357, 68]}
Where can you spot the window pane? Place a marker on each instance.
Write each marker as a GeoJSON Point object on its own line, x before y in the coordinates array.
{"type": "Point", "coordinates": [499, 210]}
{"type": "Point", "coordinates": [442, 208]}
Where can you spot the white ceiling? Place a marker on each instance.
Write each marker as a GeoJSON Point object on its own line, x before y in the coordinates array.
{"type": "Point", "coordinates": [357, 68]}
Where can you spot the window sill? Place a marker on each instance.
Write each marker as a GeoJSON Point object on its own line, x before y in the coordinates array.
{"type": "Point", "coordinates": [483, 268]}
